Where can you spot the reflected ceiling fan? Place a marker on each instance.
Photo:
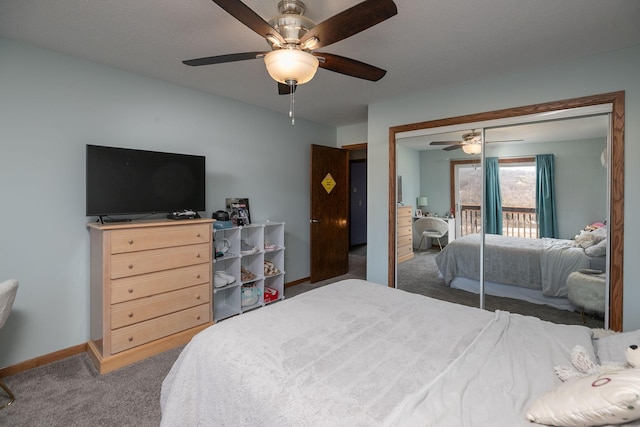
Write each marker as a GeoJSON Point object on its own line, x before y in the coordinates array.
{"type": "Point", "coordinates": [293, 39]}
{"type": "Point", "coordinates": [471, 142]}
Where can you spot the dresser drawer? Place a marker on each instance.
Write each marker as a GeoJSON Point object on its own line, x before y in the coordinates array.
{"type": "Point", "coordinates": [131, 264]}
{"type": "Point", "coordinates": [405, 222]}
{"type": "Point", "coordinates": [160, 327]}
{"type": "Point", "coordinates": [159, 237]}
{"type": "Point", "coordinates": [404, 250]}
{"type": "Point", "coordinates": [130, 312]}
{"type": "Point", "coordinates": [405, 231]}
{"type": "Point", "coordinates": [406, 240]}
{"type": "Point", "coordinates": [404, 211]}
{"type": "Point", "coordinates": [128, 288]}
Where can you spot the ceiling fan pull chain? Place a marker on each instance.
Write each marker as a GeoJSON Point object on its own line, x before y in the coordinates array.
{"type": "Point", "coordinates": [292, 102]}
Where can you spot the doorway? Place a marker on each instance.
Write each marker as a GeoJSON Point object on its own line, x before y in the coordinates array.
{"type": "Point", "coordinates": [338, 211]}
{"type": "Point", "coordinates": [357, 209]}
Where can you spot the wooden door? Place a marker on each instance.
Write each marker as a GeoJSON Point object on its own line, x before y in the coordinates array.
{"type": "Point", "coordinates": [329, 212]}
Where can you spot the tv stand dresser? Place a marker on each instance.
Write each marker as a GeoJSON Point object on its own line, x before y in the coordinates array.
{"type": "Point", "coordinates": [150, 288]}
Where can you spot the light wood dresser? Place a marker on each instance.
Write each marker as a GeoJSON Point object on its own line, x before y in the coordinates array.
{"type": "Point", "coordinates": [405, 233]}
{"type": "Point", "coordinates": [150, 288]}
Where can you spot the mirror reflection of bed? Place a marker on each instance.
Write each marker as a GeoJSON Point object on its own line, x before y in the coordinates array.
{"type": "Point", "coordinates": [527, 275]}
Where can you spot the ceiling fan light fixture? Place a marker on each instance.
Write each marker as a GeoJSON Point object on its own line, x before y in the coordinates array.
{"type": "Point", "coordinates": [473, 148]}
{"type": "Point", "coordinates": [291, 65]}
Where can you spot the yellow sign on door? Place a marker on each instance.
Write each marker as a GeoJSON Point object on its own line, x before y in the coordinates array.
{"type": "Point", "coordinates": [328, 183]}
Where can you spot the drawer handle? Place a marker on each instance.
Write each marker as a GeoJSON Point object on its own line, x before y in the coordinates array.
{"type": "Point", "coordinates": [198, 317]}
{"type": "Point", "coordinates": [198, 235]}
{"type": "Point", "coordinates": [130, 290]}
{"type": "Point", "coordinates": [130, 314]}
{"type": "Point", "coordinates": [197, 276]}
{"type": "Point", "coordinates": [130, 266]}
{"type": "Point", "coordinates": [130, 339]}
{"type": "Point", "coordinates": [131, 241]}
{"type": "Point", "coordinates": [197, 255]}
{"type": "Point", "coordinates": [197, 296]}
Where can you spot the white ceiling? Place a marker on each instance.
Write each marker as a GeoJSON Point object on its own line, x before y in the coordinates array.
{"type": "Point", "coordinates": [568, 129]}
{"type": "Point", "coordinates": [430, 43]}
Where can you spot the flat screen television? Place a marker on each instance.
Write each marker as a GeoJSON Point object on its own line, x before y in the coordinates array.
{"type": "Point", "coordinates": [124, 181]}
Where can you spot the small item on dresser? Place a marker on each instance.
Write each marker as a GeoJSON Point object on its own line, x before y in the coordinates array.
{"type": "Point", "coordinates": [183, 214]}
{"type": "Point", "coordinates": [222, 220]}
{"type": "Point", "coordinates": [220, 216]}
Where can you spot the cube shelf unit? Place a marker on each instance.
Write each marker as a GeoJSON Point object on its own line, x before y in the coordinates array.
{"type": "Point", "coordinates": [227, 299]}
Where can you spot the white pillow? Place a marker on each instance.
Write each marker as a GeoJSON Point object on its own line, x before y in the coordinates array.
{"type": "Point", "coordinates": [612, 347]}
{"type": "Point", "coordinates": [595, 400]}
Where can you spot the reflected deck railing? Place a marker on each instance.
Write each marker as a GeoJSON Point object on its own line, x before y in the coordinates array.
{"type": "Point", "coordinates": [517, 222]}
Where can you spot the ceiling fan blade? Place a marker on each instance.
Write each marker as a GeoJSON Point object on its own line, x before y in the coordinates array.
{"type": "Point", "coordinates": [444, 142]}
{"type": "Point", "coordinates": [248, 17]}
{"type": "Point", "coordinates": [284, 89]}
{"type": "Point", "coordinates": [452, 147]}
{"type": "Point", "coordinates": [349, 22]}
{"type": "Point", "coordinates": [350, 67]}
{"type": "Point", "coordinates": [220, 59]}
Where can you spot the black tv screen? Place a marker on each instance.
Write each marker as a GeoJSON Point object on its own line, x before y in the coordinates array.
{"type": "Point", "coordinates": [127, 181]}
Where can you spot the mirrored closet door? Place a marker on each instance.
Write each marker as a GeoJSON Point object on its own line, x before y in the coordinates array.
{"type": "Point", "coordinates": [530, 202]}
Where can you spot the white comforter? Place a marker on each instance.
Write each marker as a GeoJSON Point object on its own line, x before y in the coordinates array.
{"type": "Point", "coordinates": [359, 354]}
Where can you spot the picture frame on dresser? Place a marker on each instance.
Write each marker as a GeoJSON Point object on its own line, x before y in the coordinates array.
{"type": "Point", "coordinates": [239, 212]}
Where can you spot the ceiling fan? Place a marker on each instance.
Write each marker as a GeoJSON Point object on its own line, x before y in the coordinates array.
{"type": "Point", "coordinates": [293, 39]}
{"type": "Point", "coordinates": [471, 142]}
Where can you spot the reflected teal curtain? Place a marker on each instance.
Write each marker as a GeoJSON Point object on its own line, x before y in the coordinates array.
{"type": "Point", "coordinates": [494, 198]}
{"type": "Point", "coordinates": [545, 196]}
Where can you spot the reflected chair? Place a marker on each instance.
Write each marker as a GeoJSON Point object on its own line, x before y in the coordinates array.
{"type": "Point", "coordinates": [8, 290]}
{"type": "Point", "coordinates": [434, 228]}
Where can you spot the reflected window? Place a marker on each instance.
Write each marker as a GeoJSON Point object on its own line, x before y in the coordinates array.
{"type": "Point", "coordinates": [518, 190]}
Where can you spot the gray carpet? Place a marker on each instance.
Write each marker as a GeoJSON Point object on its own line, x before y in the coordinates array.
{"type": "Point", "coordinates": [70, 392]}
{"type": "Point", "coordinates": [357, 270]}
{"type": "Point", "coordinates": [420, 275]}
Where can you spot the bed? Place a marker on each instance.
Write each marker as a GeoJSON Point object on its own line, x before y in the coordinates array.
{"type": "Point", "coordinates": [537, 269]}
{"type": "Point", "coordinates": [355, 353]}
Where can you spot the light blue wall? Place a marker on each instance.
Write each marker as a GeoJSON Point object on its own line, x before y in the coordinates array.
{"type": "Point", "coordinates": [352, 134]}
{"type": "Point", "coordinates": [51, 106]}
{"type": "Point", "coordinates": [580, 179]}
{"type": "Point", "coordinates": [408, 167]}
{"type": "Point", "coordinates": [603, 73]}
